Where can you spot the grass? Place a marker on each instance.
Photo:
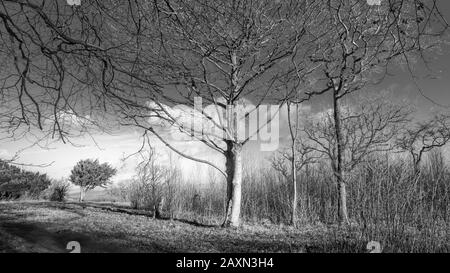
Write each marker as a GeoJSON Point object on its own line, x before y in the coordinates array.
{"type": "Point", "coordinates": [48, 227]}
{"type": "Point", "coordinates": [95, 195]}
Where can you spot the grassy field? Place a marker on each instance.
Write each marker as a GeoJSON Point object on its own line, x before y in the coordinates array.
{"type": "Point", "coordinates": [48, 227]}
{"type": "Point", "coordinates": [94, 195]}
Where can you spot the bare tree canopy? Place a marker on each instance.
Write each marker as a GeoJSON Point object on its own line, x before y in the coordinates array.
{"type": "Point", "coordinates": [367, 128]}
{"type": "Point", "coordinates": [347, 135]}
{"type": "Point", "coordinates": [423, 137]}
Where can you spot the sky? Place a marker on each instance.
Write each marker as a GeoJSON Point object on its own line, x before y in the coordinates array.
{"type": "Point", "coordinates": [113, 148]}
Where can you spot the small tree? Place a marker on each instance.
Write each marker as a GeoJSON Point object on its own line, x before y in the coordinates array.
{"type": "Point", "coordinates": [290, 161]}
{"type": "Point", "coordinates": [58, 190]}
{"type": "Point", "coordinates": [364, 130]}
{"type": "Point", "coordinates": [89, 174]}
{"type": "Point", "coordinates": [423, 137]}
{"type": "Point", "coordinates": [151, 180]}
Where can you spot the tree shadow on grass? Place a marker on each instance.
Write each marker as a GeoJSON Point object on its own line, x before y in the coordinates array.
{"type": "Point", "coordinates": [134, 212]}
{"type": "Point", "coordinates": [35, 237]}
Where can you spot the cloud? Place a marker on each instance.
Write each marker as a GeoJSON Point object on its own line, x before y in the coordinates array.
{"type": "Point", "coordinates": [74, 120]}
{"type": "Point", "coordinates": [4, 153]}
{"type": "Point", "coordinates": [74, 2]}
{"type": "Point", "coordinates": [374, 2]}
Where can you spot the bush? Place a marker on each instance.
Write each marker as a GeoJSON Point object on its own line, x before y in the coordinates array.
{"type": "Point", "coordinates": [140, 195]}
{"type": "Point", "coordinates": [58, 190]}
{"type": "Point", "coordinates": [137, 193]}
{"type": "Point", "coordinates": [119, 191]}
{"type": "Point", "coordinates": [17, 183]}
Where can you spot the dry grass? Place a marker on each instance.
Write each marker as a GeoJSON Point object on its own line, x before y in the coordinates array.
{"type": "Point", "coordinates": [48, 227]}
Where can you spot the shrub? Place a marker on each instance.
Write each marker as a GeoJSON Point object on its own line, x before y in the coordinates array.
{"type": "Point", "coordinates": [119, 191]}
{"type": "Point", "coordinates": [58, 190]}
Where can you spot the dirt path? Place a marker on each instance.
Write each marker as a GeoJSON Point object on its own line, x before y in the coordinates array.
{"type": "Point", "coordinates": [31, 237]}
{"type": "Point", "coordinates": [38, 238]}
{"type": "Point", "coordinates": [17, 235]}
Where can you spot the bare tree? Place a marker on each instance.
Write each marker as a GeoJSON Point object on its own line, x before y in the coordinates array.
{"type": "Point", "coordinates": [366, 39]}
{"type": "Point", "coordinates": [423, 137]}
{"type": "Point", "coordinates": [364, 130]}
{"type": "Point", "coordinates": [298, 155]}
{"type": "Point", "coordinates": [152, 179]}
{"type": "Point", "coordinates": [50, 72]}
{"type": "Point", "coordinates": [222, 53]}
{"type": "Point", "coordinates": [172, 182]}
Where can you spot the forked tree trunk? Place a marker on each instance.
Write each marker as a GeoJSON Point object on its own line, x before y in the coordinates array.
{"type": "Point", "coordinates": [233, 157]}
{"type": "Point", "coordinates": [416, 165]}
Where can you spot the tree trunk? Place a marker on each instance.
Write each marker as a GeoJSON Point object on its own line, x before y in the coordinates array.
{"type": "Point", "coordinates": [234, 184]}
{"type": "Point", "coordinates": [158, 208]}
{"type": "Point", "coordinates": [338, 172]}
{"type": "Point", "coordinates": [82, 194]}
{"type": "Point", "coordinates": [416, 165]}
{"type": "Point", "coordinates": [343, 214]}
{"type": "Point", "coordinates": [294, 188]}
{"type": "Point", "coordinates": [233, 157]}
{"type": "Point", "coordinates": [293, 130]}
